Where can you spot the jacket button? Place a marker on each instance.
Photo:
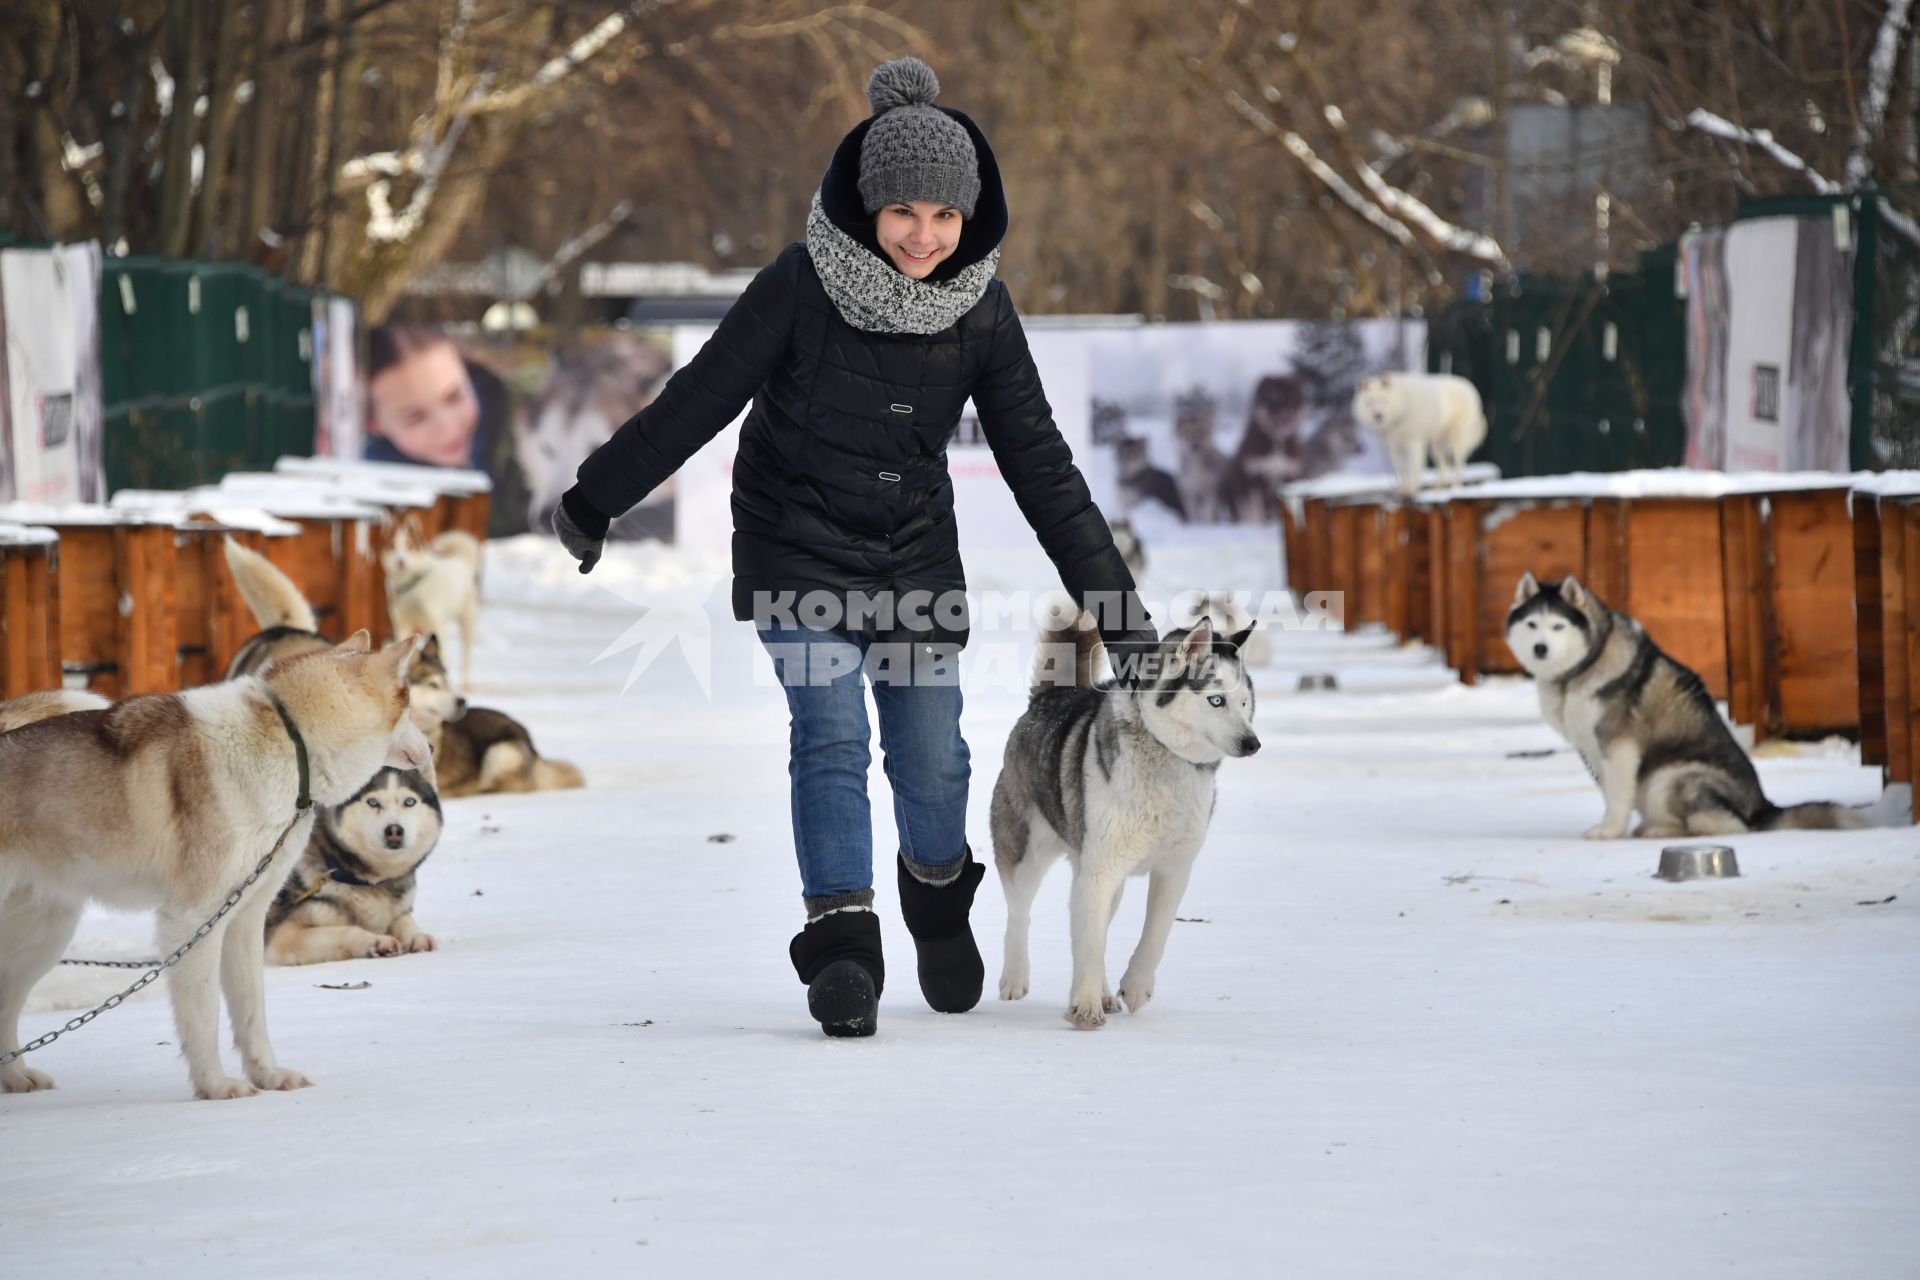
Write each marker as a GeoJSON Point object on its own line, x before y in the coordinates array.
{"type": "Point", "coordinates": [903, 408]}
{"type": "Point", "coordinates": [888, 475]}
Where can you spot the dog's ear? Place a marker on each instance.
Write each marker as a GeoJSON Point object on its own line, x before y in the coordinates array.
{"type": "Point", "coordinates": [1529, 588]}
{"type": "Point", "coordinates": [1193, 646]}
{"type": "Point", "coordinates": [1238, 640]}
{"type": "Point", "coordinates": [1573, 593]}
{"type": "Point", "coordinates": [391, 663]}
{"type": "Point", "coordinates": [431, 649]}
{"type": "Point", "coordinates": [360, 641]}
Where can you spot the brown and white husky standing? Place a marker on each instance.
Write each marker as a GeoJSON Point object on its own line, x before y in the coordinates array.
{"type": "Point", "coordinates": [184, 795]}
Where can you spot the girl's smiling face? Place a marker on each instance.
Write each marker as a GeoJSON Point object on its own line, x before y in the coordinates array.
{"type": "Point", "coordinates": [918, 235]}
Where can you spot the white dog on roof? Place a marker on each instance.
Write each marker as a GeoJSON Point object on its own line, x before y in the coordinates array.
{"type": "Point", "coordinates": [1415, 413]}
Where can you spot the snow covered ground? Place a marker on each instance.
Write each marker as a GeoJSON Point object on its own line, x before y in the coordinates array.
{"type": "Point", "coordinates": [1412, 1026]}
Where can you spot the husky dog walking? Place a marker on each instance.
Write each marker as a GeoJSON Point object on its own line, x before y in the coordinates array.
{"type": "Point", "coordinates": [352, 893]}
{"type": "Point", "coordinates": [180, 797]}
{"type": "Point", "coordinates": [1119, 780]}
{"type": "Point", "coordinates": [1645, 726]}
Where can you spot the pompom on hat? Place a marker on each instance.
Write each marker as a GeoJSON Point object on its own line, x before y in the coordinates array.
{"type": "Point", "coordinates": [913, 150]}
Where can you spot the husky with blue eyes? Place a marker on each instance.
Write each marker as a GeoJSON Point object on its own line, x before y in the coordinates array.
{"type": "Point", "coordinates": [1645, 726]}
{"type": "Point", "coordinates": [1118, 778]}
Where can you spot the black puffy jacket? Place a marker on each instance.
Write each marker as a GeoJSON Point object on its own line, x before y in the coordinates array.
{"type": "Point", "coordinates": [840, 483]}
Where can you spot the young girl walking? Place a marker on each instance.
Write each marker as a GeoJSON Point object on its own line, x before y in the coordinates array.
{"type": "Point", "coordinates": [858, 348]}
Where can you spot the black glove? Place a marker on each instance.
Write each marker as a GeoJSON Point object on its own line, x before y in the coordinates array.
{"type": "Point", "coordinates": [1135, 658]}
{"type": "Point", "coordinates": [582, 530]}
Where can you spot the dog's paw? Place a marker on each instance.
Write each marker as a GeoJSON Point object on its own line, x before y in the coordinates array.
{"type": "Point", "coordinates": [1013, 987]}
{"type": "Point", "coordinates": [1658, 831]}
{"type": "Point", "coordinates": [278, 1079]}
{"type": "Point", "coordinates": [223, 1089]}
{"type": "Point", "coordinates": [1108, 1004]}
{"type": "Point", "coordinates": [383, 946]}
{"type": "Point", "coordinates": [1135, 992]}
{"type": "Point", "coordinates": [18, 1079]}
{"type": "Point", "coordinates": [421, 942]}
{"type": "Point", "coordinates": [1087, 1013]}
{"type": "Point", "coordinates": [1605, 831]}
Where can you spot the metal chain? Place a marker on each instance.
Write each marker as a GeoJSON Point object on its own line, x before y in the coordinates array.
{"type": "Point", "coordinates": [114, 964]}
{"type": "Point", "coordinates": [114, 1002]}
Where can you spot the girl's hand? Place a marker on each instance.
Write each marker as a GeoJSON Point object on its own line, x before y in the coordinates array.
{"type": "Point", "coordinates": [582, 543]}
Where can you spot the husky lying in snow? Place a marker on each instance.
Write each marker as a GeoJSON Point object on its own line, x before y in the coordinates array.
{"type": "Point", "coordinates": [432, 588]}
{"type": "Point", "coordinates": [352, 893]}
{"type": "Point", "coordinates": [1645, 726]}
{"type": "Point", "coordinates": [477, 750]}
{"type": "Point", "coordinates": [1120, 780]}
{"type": "Point", "coordinates": [168, 802]}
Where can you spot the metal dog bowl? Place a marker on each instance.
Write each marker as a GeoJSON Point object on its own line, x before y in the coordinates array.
{"type": "Point", "coordinates": [1318, 682]}
{"type": "Point", "coordinates": [1697, 862]}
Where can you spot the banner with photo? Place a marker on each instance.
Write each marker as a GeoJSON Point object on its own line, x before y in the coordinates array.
{"type": "Point", "coordinates": [1204, 422]}
{"type": "Point", "coordinates": [1192, 423]}
{"type": "Point", "coordinates": [1769, 325]}
{"type": "Point", "coordinates": [526, 413]}
{"type": "Point", "coordinates": [50, 413]}
{"type": "Point", "coordinates": [339, 430]}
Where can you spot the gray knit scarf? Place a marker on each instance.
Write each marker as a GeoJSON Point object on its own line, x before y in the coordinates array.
{"type": "Point", "coordinates": [871, 294]}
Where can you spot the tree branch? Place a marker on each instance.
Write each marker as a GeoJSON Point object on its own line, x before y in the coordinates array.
{"type": "Point", "coordinates": [1880, 69]}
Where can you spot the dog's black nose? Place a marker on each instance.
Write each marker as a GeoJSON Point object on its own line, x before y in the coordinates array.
{"type": "Point", "coordinates": [396, 835]}
{"type": "Point", "coordinates": [1539, 651]}
{"type": "Point", "coordinates": [459, 707]}
{"type": "Point", "coordinates": [1249, 745]}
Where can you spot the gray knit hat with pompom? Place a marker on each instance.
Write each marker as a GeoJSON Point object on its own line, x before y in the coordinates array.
{"type": "Point", "coordinates": [913, 150]}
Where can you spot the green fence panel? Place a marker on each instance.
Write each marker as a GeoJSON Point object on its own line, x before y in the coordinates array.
{"type": "Point", "coordinates": [154, 444]}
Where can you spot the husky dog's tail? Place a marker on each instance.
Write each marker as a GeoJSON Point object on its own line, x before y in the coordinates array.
{"type": "Point", "coordinates": [457, 545]}
{"type": "Point", "coordinates": [1818, 815]}
{"type": "Point", "coordinates": [556, 775]}
{"type": "Point", "coordinates": [1070, 656]}
{"type": "Point", "coordinates": [269, 593]}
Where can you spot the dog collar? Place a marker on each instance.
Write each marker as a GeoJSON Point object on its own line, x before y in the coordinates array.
{"type": "Point", "coordinates": [340, 875]}
{"type": "Point", "coordinates": [305, 801]}
{"type": "Point", "coordinates": [407, 584]}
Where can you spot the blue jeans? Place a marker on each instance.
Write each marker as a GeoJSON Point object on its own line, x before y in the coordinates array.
{"type": "Point", "coordinates": [823, 674]}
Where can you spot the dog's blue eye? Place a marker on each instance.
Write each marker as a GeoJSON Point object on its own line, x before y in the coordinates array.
{"type": "Point", "coordinates": [410, 802]}
{"type": "Point", "coordinates": [1215, 700]}
{"type": "Point", "coordinates": [372, 803]}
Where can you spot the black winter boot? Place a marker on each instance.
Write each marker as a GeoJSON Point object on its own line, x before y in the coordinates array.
{"type": "Point", "coordinates": [838, 957]}
{"type": "Point", "coordinates": [951, 971]}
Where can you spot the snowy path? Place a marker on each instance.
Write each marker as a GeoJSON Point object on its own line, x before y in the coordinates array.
{"type": "Point", "coordinates": [1417, 1027]}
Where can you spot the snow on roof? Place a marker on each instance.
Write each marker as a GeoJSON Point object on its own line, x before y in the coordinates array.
{"type": "Point", "coordinates": [372, 493]}
{"type": "Point", "coordinates": [1342, 484]}
{"type": "Point", "coordinates": [1669, 482]}
{"type": "Point", "coordinates": [1889, 484]}
{"type": "Point", "coordinates": [26, 535]}
{"type": "Point", "coordinates": [438, 479]}
{"type": "Point", "coordinates": [72, 514]}
{"type": "Point", "coordinates": [173, 504]}
{"type": "Point", "coordinates": [290, 503]}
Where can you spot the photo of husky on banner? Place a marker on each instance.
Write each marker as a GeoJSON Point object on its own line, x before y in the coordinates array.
{"type": "Point", "coordinates": [1204, 422]}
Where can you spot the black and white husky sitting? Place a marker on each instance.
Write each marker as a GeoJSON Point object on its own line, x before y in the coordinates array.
{"type": "Point", "coordinates": [1645, 726]}
{"type": "Point", "coordinates": [1120, 780]}
{"type": "Point", "coordinates": [351, 894]}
